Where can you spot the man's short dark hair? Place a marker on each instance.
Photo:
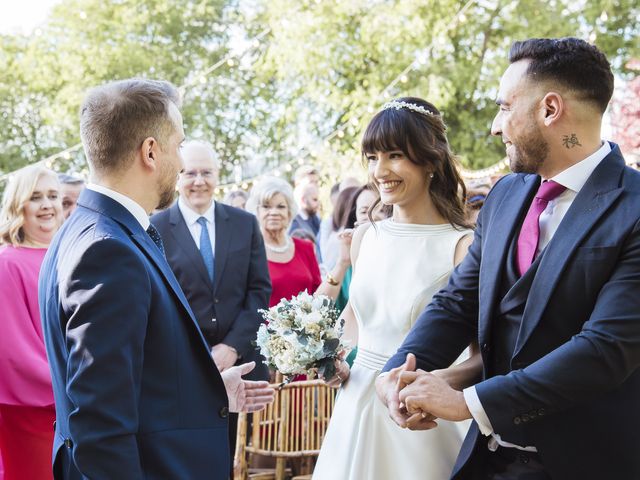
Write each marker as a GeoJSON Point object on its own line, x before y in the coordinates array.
{"type": "Point", "coordinates": [117, 117]}
{"type": "Point", "coordinates": [66, 179]}
{"type": "Point", "coordinates": [571, 62]}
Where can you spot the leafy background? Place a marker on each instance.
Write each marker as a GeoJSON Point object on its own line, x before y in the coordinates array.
{"type": "Point", "coordinates": [277, 83]}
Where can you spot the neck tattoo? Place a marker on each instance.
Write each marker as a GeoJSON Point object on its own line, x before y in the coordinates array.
{"type": "Point", "coordinates": [570, 141]}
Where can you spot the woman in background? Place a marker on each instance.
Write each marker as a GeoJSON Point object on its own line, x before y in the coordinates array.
{"type": "Point", "coordinates": [293, 265]}
{"type": "Point", "coordinates": [292, 262]}
{"type": "Point", "coordinates": [31, 214]}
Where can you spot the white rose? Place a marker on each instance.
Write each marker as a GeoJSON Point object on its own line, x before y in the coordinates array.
{"type": "Point", "coordinates": [310, 319]}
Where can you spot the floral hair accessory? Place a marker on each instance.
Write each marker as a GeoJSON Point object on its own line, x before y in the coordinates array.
{"type": "Point", "coordinates": [410, 106]}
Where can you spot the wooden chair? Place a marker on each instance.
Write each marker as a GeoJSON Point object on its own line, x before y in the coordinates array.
{"type": "Point", "coordinates": [292, 427]}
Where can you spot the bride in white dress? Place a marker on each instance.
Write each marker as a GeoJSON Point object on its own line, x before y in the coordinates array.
{"type": "Point", "coordinates": [399, 263]}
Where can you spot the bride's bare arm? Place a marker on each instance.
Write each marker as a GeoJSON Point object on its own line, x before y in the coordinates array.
{"type": "Point", "coordinates": [464, 374]}
{"type": "Point", "coordinates": [350, 333]}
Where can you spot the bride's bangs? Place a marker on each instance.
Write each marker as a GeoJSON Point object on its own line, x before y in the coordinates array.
{"type": "Point", "coordinates": [385, 134]}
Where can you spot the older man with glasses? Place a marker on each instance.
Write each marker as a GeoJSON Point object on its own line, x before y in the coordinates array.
{"type": "Point", "coordinates": [217, 254]}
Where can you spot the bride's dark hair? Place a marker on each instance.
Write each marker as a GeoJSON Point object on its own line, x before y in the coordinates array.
{"type": "Point", "coordinates": [422, 138]}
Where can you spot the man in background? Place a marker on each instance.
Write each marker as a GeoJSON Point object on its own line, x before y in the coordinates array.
{"type": "Point", "coordinates": [70, 189]}
{"type": "Point", "coordinates": [307, 197]}
{"type": "Point", "coordinates": [306, 174]}
{"type": "Point", "coordinates": [217, 254]}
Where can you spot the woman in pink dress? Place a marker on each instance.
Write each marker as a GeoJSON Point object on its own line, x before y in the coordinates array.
{"type": "Point", "coordinates": [31, 214]}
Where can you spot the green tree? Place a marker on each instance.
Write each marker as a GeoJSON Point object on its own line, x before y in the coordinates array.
{"type": "Point", "coordinates": [305, 91]}
{"type": "Point", "coordinates": [88, 42]}
{"type": "Point", "coordinates": [338, 58]}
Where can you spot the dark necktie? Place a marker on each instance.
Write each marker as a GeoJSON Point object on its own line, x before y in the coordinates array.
{"type": "Point", "coordinates": [530, 231]}
{"type": "Point", "coordinates": [155, 236]}
{"type": "Point", "coordinates": [206, 250]}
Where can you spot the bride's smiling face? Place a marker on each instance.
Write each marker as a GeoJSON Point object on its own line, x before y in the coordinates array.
{"type": "Point", "coordinates": [399, 180]}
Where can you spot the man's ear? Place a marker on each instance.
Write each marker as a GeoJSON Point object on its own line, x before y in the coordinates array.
{"type": "Point", "coordinates": [552, 107]}
{"type": "Point", "coordinates": [148, 153]}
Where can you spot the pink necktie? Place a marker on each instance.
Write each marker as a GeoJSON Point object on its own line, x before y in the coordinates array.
{"type": "Point", "coordinates": [530, 231]}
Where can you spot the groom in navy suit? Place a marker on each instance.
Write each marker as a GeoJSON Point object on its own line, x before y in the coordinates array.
{"type": "Point", "coordinates": [550, 288]}
{"type": "Point", "coordinates": [137, 393]}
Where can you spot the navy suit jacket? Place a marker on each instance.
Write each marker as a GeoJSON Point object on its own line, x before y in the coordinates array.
{"type": "Point", "coordinates": [137, 393]}
{"type": "Point", "coordinates": [241, 280]}
{"type": "Point", "coordinates": [574, 388]}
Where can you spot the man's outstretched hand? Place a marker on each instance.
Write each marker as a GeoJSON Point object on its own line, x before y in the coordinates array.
{"type": "Point", "coordinates": [246, 395]}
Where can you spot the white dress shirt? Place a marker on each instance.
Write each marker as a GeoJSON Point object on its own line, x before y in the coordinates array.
{"type": "Point", "coordinates": [573, 178]}
{"type": "Point", "coordinates": [132, 206]}
{"type": "Point", "coordinates": [191, 219]}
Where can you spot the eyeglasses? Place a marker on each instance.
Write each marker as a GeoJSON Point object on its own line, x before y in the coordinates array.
{"type": "Point", "coordinates": [193, 174]}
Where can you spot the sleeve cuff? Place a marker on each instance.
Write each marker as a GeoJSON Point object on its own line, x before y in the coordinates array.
{"type": "Point", "coordinates": [477, 411]}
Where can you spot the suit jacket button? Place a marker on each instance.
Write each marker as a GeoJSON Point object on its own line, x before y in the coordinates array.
{"type": "Point", "coordinates": [525, 418]}
{"type": "Point", "coordinates": [517, 420]}
{"type": "Point", "coordinates": [224, 412]}
{"type": "Point", "coordinates": [215, 300]}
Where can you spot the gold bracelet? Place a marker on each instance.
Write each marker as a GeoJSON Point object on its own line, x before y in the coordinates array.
{"type": "Point", "coordinates": [331, 280]}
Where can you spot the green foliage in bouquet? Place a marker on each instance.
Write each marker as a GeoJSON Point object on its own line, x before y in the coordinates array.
{"type": "Point", "coordinates": [301, 335]}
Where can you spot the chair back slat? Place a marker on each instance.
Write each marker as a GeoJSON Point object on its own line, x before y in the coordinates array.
{"type": "Point", "coordinates": [296, 422]}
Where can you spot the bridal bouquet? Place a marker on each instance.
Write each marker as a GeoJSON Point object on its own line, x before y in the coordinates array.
{"type": "Point", "coordinates": [301, 335]}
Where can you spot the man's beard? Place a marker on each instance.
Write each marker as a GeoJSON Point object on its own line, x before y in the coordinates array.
{"type": "Point", "coordinates": [166, 189]}
{"type": "Point", "coordinates": [166, 199]}
{"type": "Point", "coordinates": [529, 153]}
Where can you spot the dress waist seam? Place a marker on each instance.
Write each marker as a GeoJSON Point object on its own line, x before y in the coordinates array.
{"type": "Point", "coordinates": [371, 360]}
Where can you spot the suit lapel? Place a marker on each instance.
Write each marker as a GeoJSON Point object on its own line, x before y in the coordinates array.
{"type": "Point", "coordinates": [223, 238]}
{"type": "Point", "coordinates": [591, 203]}
{"type": "Point", "coordinates": [184, 239]}
{"type": "Point", "coordinates": [110, 208]}
{"type": "Point", "coordinates": [503, 225]}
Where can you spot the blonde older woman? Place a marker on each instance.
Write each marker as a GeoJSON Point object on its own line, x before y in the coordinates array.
{"type": "Point", "coordinates": [293, 266]}
{"type": "Point", "coordinates": [30, 216]}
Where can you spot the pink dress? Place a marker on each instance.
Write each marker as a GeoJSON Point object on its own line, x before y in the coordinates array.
{"type": "Point", "coordinates": [298, 274]}
{"type": "Point", "coordinates": [26, 397]}
{"type": "Point", "coordinates": [24, 370]}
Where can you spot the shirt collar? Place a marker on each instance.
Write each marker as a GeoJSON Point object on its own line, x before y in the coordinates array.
{"type": "Point", "coordinates": [191, 217]}
{"type": "Point", "coordinates": [132, 206]}
{"type": "Point", "coordinates": [577, 175]}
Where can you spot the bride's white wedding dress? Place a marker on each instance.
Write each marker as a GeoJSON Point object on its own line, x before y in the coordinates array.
{"type": "Point", "coordinates": [399, 268]}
